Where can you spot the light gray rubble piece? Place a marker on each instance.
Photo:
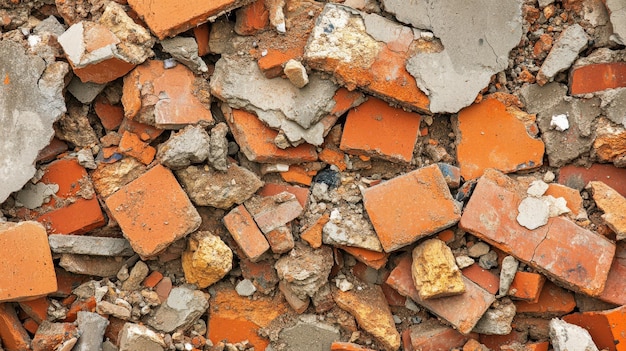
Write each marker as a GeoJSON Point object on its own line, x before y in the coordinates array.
{"type": "Point", "coordinates": [190, 145]}
{"type": "Point", "coordinates": [348, 226]}
{"type": "Point", "coordinates": [34, 195]}
{"type": "Point", "coordinates": [570, 337]}
{"type": "Point", "coordinates": [92, 327]}
{"type": "Point", "coordinates": [100, 266]}
{"type": "Point", "coordinates": [533, 213]}
{"type": "Point", "coordinates": [31, 100]}
{"type": "Point", "coordinates": [89, 245]}
{"type": "Point", "coordinates": [476, 44]}
{"type": "Point", "coordinates": [617, 10]}
{"type": "Point", "coordinates": [308, 334]}
{"type": "Point", "coordinates": [185, 51]}
{"type": "Point", "coordinates": [507, 274]}
{"type": "Point", "coordinates": [497, 320]}
{"type": "Point", "coordinates": [137, 275]}
{"type": "Point", "coordinates": [305, 269]}
{"type": "Point", "coordinates": [84, 92]}
{"type": "Point", "coordinates": [218, 151]}
{"type": "Point", "coordinates": [563, 53]}
{"type": "Point", "coordinates": [117, 311]}
{"type": "Point", "coordinates": [181, 309]}
{"type": "Point", "coordinates": [245, 288]}
{"type": "Point", "coordinates": [135, 337]}
{"type": "Point", "coordinates": [614, 105]}
{"type": "Point", "coordinates": [277, 102]}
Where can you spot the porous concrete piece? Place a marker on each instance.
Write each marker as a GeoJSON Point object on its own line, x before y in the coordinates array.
{"type": "Point", "coordinates": [137, 275]}
{"type": "Point", "coordinates": [218, 150]}
{"type": "Point", "coordinates": [309, 334]}
{"type": "Point", "coordinates": [135, 337]}
{"type": "Point", "coordinates": [476, 46]}
{"type": "Point", "coordinates": [617, 12]}
{"type": "Point", "coordinates": [277, 102]}
{"type": "Point", "coordinates": [305, 269]}
{"type": "Point", "coordinates": [185, 51]}
{"type": "Point", "coordinates": [206, 260]}
{"type": "Point", "coordinates": [614, 105]}
{"type": "Point", "coordinates": [614, 206]}
{"type": "Point", "coordinates": [110, 309]}
{"type": "Point", "coordinates": [296, 73]}
{"type": "Point", "coordinates": [92, 327]}
{"type": "Point", "coordinates": [497, 320]}
{"type": "Point", "coordinates": [89, 245]}
{"type": "Point", "coordinates": [99, 266]}
{"type": "Point", "coordinates": [31, 100]}
{"type": "Point", "coordinates": [190, 145]}
{"type": "Point", "coordinates": [566, 337]}
{"type": "Point", "coordinates": [415, 13]}
{"type": "Point", "coordinates": [349, 227]}
{"type": "Point", "coordinates": [34, 195]}
{"type": "Point", "coordinates": [507, 274]}
{"type": "Point", "coordinates": [245, 288]}
{"type": "Point", "coordinates": [564, 52]}
{"type": "Point", "coordinates": [478, 249]}
{"type": "Point", "coordinates": [370, 309]}
{"type": "Point", "coordinates": [533, 213]}
{"type": "Point", "coordinates": [181, 309]}
{"type": "Point", "coordinates": [434, 270]}
{"type": "Point", "coordinates": [110, 177]}
{"type": "Point", "coordinates": [208, 187]}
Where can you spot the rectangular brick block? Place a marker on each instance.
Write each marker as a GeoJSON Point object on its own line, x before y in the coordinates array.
{"type": "Point", "coordinates": [553, 301]}
{"type": "Point", "coordinates": [13, 335]}
{"type": "Point", "coordinates": [597, 77]}
{"type": "Point", "coordinates": [461, 311]}
{"type": "Point", "coordinates": [410, 207]}
{"type": "Point", "coordinates": [432, 335]}
{"type": "Point", "coordinates": [574, 256]}
{"type": "Point", "coordinates": [526, 286]}
{"type": "Point", "coordinates": [244, 230]}
{"type": "Point", "coordinates": [482, 277]}
{"type": "Point", "coordinates": [616, 281]}
{"type": "Point", "coordinates": [578, 177]}
{"type": "Point", "coordinates": [607, 328]}
{"type": "Point", "coordinates": [378, 130]}
{"type": "Point", "coordinates": [27, 271]}
{"type": "Point", "coordinates": [153, 211]}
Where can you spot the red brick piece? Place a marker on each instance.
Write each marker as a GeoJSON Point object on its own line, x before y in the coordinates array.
{"type": "Point", "coordinates": [578, 177]}
{"type": "Point", "coordinates": [50, 152]}
{"type": "Point", "coordinates": [482, 277]}
{"type": "Point", "coordinates": [462, 311]}
{"type": "Point", "coordinates": [410, 207]}
{"type": "Point", "coordinates": [616, 281]}
{"type": "Point", "coordinates": [607, 328]}
{"type": "Point", "coordinates": [571, 196]}
{"type": "Point", "coordinates": [501, 141]}
{"type": "Point", "coordinates": [110, 115]}
{"type": "Point", "coordinates": [50, 336]}
{"type": "Point", "coordinates": [372, 259]}
{"type": "Point", "coordinates": [347, 346]}
{"type": "Point", "coordinates": [27, 270]}
{"type": "Point", "coordinates": [153, 211]}
{"type": "Point", "coordinates": [597, 77]}
{"type": "Point", "coordinates": [378, 130]}
{"type": "Point", "coordinates": [131, 145]}
{"type": "Point", "coordinates": [36, 309]}
{"type": "Point", "coordinates": [244, 230]}
{"type": "Point", "coordinates": [252, 18]}
{"type": "Point", "coordinates": [171, 17]}
{"type": "Point", "coordinates": [302, 194]}
{"type": "Point", "coordinates": [13, 335]}
{"type": "Point", "coordinates": [432, 335]}
{"type": "Point", "coordinates": [526, 286]}
{"type": "Point", "coordinates": [553, 301]}
{"type": "Point", "coordinates": [583, 258]}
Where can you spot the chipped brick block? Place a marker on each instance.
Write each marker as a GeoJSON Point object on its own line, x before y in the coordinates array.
{"type": "Point", "coordinates": [378, 130]}
{"type": "Point", "coordinates": [391, 207]}
{"type": "Point", "coordinates": [244, 230]}
{"type": "Point", "coordinates": [272, 212]}
{"type": "Point", "coordinates": [12, 333]}
{"type": "Point", "coordinates": [578, 177]}
{"type": "Point", "coordinates": [597, 77]}
{"type": "Point", "coordinates": [252, 18]}
{"type": "Point", "coordinates": [553, 301]}
{"type": "Point", "coordinates": [432, 335]}
{"type": "Point", "coordinates": [171, 17]}
{"type": "Point", "coordinates": [27, 270]}
{"type": "Point", "coordinates": [571, 196]}
{"type": "Point", "coordinates": [166, 98]}
{"type": "Point", "coordinates": [131, 145]}
{"type": "Point", "coordinates": [574, 256]}
{"type": "Point", "coordinates": [340, 44]}
{"type": "Point", "coordinates": [148, 222]}
{"type": "Point", "coordinates": [503, 141]}
{"type": "Point", "coordinates": [526, 286]}
{"type": "Point", "coordinates": [50, 336]}
{"type": "Point", "coordinates": [461, 311]}
{"type": "Point", "coordinates": [482, 277]}
{"type": "Point", "coordinates": [302, 194]}
{"type": "Point", "coordinates": [607, 328]}
{"type": "Point", "coordinates": [110, 115]}
{"type": "Point", "coordinates": [371, 258]}
{"type": "Point", "coordinates": [616, 281]}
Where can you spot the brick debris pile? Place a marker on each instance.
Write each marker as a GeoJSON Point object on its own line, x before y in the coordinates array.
{"type": "Point", "coordinates": [312, 175]}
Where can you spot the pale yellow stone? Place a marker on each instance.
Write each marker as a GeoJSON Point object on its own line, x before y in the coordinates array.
{"type": "Point", "coordinates": [206, 260]}
{"type": "Point", "coordinates": [434, 270]}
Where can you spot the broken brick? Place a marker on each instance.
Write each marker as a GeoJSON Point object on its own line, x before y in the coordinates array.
{"type": "Point", "coordinates": [244, 230]}
{"type": "Point", "coordinates": [298, 174]}
{"type": "Point", "coordinates": [131, 145]}
{"type": "Point", "coordinates": [578, 177]}
{"type": "Point", "coordinates": [390, 206]}
{"type": "Point", "coordinates": [571, 196]}
{"type": "Point", "coordinates": [334, 157]}
{"type": "Point", "coordinates": [432, 336]}
{"type": "Point", "coordinates": [12, 333]}
{"type": "Point", "coordinates": [613, 205]}
{"type": "Point", "coordinates": [616, 281]}
{"type": "Point", "coordinates": [313, 234]}
{"type": "Point", "coordinates": [302, 194]}
{"type": "Point", "coordinates": [597, 77]}
{"type": "Point", "coordinates": [25, 273]}
{"type": "Point", "coordinates": [50, 336]}
{"type": "Point", "coordinates": [371, 258]}
{"type": "Point", "coordinates": [605, 327]}
{"type": "Point", "coordinates": [252, 18]}
{"type": "Point", "coordinates": [482, 277]}
{"type": "Point", "coordinates": [150, 224]}
{"type": "Point", "coordinates": [110, 115]}
{"type": "Point", "coordinates": [553, 301]}
{"type": "Point", "coordinates": [378, 130]}
{"type": "Point", "coordinates": [526, 286]}
{"type": "Point", "coordinates": [37, 309]}
{"type": "Point", "coordinates": [50, 152]}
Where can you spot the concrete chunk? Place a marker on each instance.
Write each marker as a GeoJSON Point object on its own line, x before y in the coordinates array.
{"type": "Point", "coordinates": [181, 309]}
{"type": "Point", "coordinates": [190, 145]}
{"type": "Point", "coordinates": [570, 337]}
{"type": "Point", "coordinates": [564, 52]}
{"type": "Point", "coordinates": [89, 245]}
{"type": "Point", "coordinates": [92, 327]}
{"type": "Point", "coordinates": [135, 337]}
{"type": "Point", "coordinates": [185, 51]}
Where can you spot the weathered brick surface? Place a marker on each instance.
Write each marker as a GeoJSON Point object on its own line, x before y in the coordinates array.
{"type": "Point", "coordinates": [432, 336]}
{"type": "Point", "coordinates": [13, 335]}
{"type": "Point", "coordinates": [391, 207]}
{"type": "Point", "coordinates": [553, 301]}
{"type": "Point", "coordinates": [597, 77]}
{"type": "Point", "coordinates": [244, 230]}
{"type": "Point", "coordinates": [607, 328]}
{"type": "Point", "coordinates": [584, 257]}
{"type": "Point", "coordinates": [578, 177]}
{"type": "Point", "coordinates": [526, 286]}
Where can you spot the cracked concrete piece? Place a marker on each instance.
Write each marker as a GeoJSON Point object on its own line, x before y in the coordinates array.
{"type": "Point", "coordinates": [218, 150]}
{"type": "Point", "coordinates": [533, 213]}
{"type": "Point", "coordinates": [564, 52]}
{"type": "Point", "coordinates": [476, 46]}
{"type": "Point", "coordinates": [614, 105]}
{"type": "Point", "coordinates": [277, 102]}
{"type": "Point", "coordinates": [89, 245]}
{"type": "Point", "coordinates": [135, 337]}
{"type": "Point", "coordinates": [415, 13]}
{"type": "Point", "coordinates": [92, 327]}
{"type": "Point", "coordinates": [350, 228]}
{"type": "Point", "coordinates": [35, 195]}
{"type": "Point", "coordinates": [617, 10]}
{"type": "Point", "coordinates": [507, 274]}
{"type": "Point", "coordinates": [309, 334]}
{"type": "Point", "coordinates": [537, 188]}
{"type": "Point", "coordinates": [181, 309]}
{"type": "Point", "coordinates": [31, 100]}
{"type": "Point", "coordinates": [137, 275]}
{"type": "Point", "coordinates": [497, 319]}
{"type": "Point", "coordinates": [185, 51]}
{"type": "Point", "coordinates": [99, 266]}
{"type": "Point", "coordinates": [190, 145]}
{"type": "Point", "coordinates": [84, 92]}
{"type": "Point", "coordinates": [568, 337]}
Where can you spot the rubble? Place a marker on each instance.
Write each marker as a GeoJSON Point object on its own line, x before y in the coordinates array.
{"type": "Point", "coordinates": [299, 174]}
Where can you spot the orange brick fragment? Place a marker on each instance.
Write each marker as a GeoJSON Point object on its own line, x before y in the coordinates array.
{"type": "Point", "coordinates": [153, 279]}
{"type": "Point", "coordinates": [597, 77]}
{"type": "Point", "coordinates": [252, 18]}
{"type": "Point", "coordinates": [30, 325]}
{"type": "Point", "coordinates": [527, 286]}
{"type": "Point", "coordinates": [391, 207]}
{"type": "Point", "coordinates": [302, 194]}
{"type": "Point", "coordinates": [571, 196]}
{"type": "Point", "coordinates": [372, 259]}
{"type": "Point", "coordinates": [244, 230]}
{"type": "Point", "coordinates": [131, 145]}
{"type": "Point", "coordinates": [616, 281]}
{"type": "Point", "coordinates": [378, 130]}
{"type": "Point", "coordinates": [201, 33]}
{"type": "Point", "coordinates": [88, 305]}
{"type": "Point", "coordinates": [51, 151]}
{"type": "Point", "coordinates": [297, 174]}
{"type": "Point", "coordinates": [607, 328]}
{"type": "Point", "coordinates": [500, 141]}
{"type": "Point", "coordinates": [313, 234]}
{"type": "Point", "coordinates": [334, 157]}
{"type": "Point", "coordinates": [36, 309]}
{"type": "Point", "coordinates": [553, 300]}
{"type": "Point", "coordinates": [432, 336]}
{"type": "Point", "coordinates": [13, 335]}
{"type": "Point", "coordinates": [347, 346]}
{"type": "Point", "coordinates": [482, 277]}
{"type": "Point", "coordinates": [495, 342]}
{"type": "Point", "coordinates": [148, 222]}
{"type": "Point", "coordinates": [140, 129]}
{"type": "Point", "coordinates": [578, 177]}
{"type": "Point", "coordinates": [27, 270]}
{"type": "Point", "coordinates": [110, 115]}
